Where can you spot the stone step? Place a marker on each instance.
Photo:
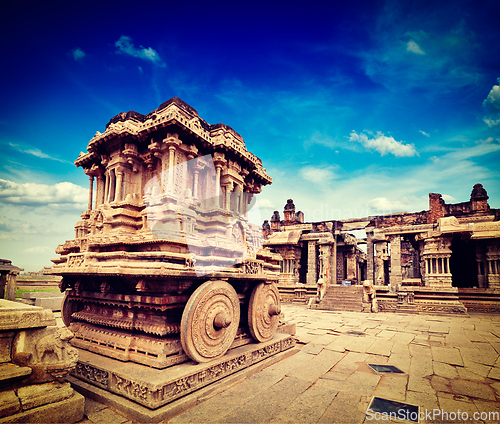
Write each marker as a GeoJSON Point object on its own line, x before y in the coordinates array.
{"type": "Point", "coordinates": [341, 298]}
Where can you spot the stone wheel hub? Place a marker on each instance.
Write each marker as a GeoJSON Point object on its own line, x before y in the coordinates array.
{"type": "Point", "coordinates": [263, 312]}
{"type": "Point", "coordinates": [210, 321]}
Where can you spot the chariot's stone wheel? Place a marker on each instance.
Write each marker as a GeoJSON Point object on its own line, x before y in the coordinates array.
{"type": "Point", "coordinates": [69, 306]}
{"type": "Point", "coordinates": [263, 311]}
{"type": "Point", "coordinates": [210, 320]}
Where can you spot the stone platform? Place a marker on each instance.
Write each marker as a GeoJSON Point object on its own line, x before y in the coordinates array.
{"type": "Point", "coordinates": [153, 388]}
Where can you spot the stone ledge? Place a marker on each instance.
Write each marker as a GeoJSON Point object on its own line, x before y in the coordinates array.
{"type": "Point", "coordinates": [17, 316]}
{"type": "Point", "coordinates": [66, 411]}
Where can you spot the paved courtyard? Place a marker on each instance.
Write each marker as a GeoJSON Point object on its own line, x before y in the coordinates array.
{"type": "Point", "coordinates": [451, 370]}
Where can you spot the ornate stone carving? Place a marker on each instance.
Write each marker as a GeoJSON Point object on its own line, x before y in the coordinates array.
{"type": "Point", "coordinates": [47, 351]}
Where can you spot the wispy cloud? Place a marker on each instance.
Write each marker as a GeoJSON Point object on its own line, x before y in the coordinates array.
{"type": "Point", "coordinates": [424, 133]}
{"type": "Point", "coordinates": [125, 46]}
{"type": "Point", "coordinates": [78, 54]}
{"type": "Point", "coordinates": [383, 144]}
{"type": "Point", "coordinates": [318, 175]}
{"type": "Point", "coordinates": [35, 152]}
{"type": "Point", "coordinates": [39, 249]}
{"type": "Point", "coordinates": [440, 53]}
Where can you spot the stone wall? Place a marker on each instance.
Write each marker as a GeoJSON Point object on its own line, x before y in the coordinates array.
{"type": "Point", "coordinates": [35, 358]}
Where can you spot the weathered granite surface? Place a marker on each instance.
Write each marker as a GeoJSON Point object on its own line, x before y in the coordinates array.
{"type": "Point", "coordinates": [35, 358]}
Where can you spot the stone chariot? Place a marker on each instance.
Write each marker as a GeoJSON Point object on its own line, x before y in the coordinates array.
{"type": "Point", "coordinates": [167, 266]}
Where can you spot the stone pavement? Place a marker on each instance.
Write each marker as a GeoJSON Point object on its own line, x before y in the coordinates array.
{"type": "Point", "coordinates": [450, 365]}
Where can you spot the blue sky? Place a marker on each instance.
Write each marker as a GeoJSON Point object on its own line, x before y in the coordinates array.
{"type": "Point", "coordinates": [355, 108]}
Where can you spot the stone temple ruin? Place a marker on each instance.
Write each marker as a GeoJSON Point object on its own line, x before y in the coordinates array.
{"type": "Point", "coordinates": [170, 286]}
{"type": "Point", "coordinates": [166, 266]}
{"type": "Point", "coordinates": [445, 259]}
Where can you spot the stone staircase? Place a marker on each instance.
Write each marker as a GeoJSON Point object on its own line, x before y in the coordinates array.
{"type": "Point", "coordinates": [340, 298]}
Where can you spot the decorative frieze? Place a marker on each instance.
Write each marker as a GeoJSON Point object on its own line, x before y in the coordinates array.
{"type": "Point", "coordinates": [154, 390]}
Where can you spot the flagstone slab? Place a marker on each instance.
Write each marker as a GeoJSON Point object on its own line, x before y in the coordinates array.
{"type": "Point", "coordinates": [362, 383]}
{"type": "Point", "coordinates": [312, 348]}
{"type": "Point", "coordinates": [392, 386]}
{"type": "Point", "coordinates": [360, 344]}
{"type": "Point", "coordinates": [421, 366]}
{"type": "Point", "coordinates": [309, 406]}
{"type": "Point", "coordinates": [448, 407]}
{"type": "Point", "coordinates": [343, 410]}
{"type": "Point", "coordinates": [401, 361]}
{"type": "Point", "coordinates": [447, 355]}
{"type": "Point", "coordinates": [422, 351]}
{"type": "Point", "coordinates": [317, 366]}
{"type": "Point", "coordinates": [444, 370]}
{"type": "Point", "coordinates": [425, 400]}
{"type": "Point", "coordinates": [403, 338]}
{"type": "Point", "coordinates": [381, 347]}
{"type": "Point", "coordinates": [419, 384]}
{"type": "Point", "coordinates": [339, 343]}
{"type": "Point", "coordinates": [268, 404]}
{"type": "Point", "coordinates": [494, 373]}
{"type": "Point", "coordinates": [479, 356]}
{"type": "Point", "coordinates": [467, 374]}
{"type": "Point", "coordinates": [441, 384]}
{"type": "Point", "coordinates": [472, 389]}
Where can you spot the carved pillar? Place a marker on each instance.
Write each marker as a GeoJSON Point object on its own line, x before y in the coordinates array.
{"type": "Point", "coordinates": [99, 197]}
{"type": "Point", "coordinates": [119, 186]}
{"type": "Point", "coordinates": [396, 276]}
{"type": "Point", "coordinates": [171, 163]}
{"type": "Point", "coordinates": [112, 186]}
{"type": "Point", "coordinates": [196, 174]}
{"type": "Point", "coordinates": [436, 255]}
{"type": "Point", "coordinates": [10, 292]}
{"type": "Point", "coordinates": [227, 203]}
{"type": "Point", "coordinates": [351, 266]}
{"type": "Point", "coordinates": [333, 262]}
{"type": "Point", "coordinates": [91, 192]}
{"type": "Point", "coordinates": [370, 269]}
{"type": "Point", "coordinates": [238, 198]}
{"type": "Point", "coordinates": [380, 257]}
{"type": "Point", "coordinates": [493, 261]}
{"type": "Point", "coordinates": [217, 181]}
{"type": "Point", "coordinates": [311, 277]}
{"type": "Point", "coordinates": [106, 187]}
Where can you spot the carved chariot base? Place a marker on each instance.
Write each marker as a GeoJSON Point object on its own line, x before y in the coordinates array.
{"type": "Point", "coordinates": [153, 388]}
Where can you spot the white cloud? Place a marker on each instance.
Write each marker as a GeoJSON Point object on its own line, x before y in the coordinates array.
{"type": "Point", "coordinates": [318, 175]}
{"type": "Point", "coordinates": [491, 122]}
{"type": "Point", "coordinates": [383, 144]}
{"type": "Point", "coordinates": [448, 199]}
{"type": "Point", "coordinates": [125, 46]}
{"type": "Point", "coordinates": [34, 194]}
{"type": "Point", "coordinates": [384, 205]}
{"type": "Point", "coordinates": [413, 47]}
{"type": "Point", "coordinates": [493, 99]}
{"type": "Point", "coordinates": [265, 203]}
{"type": "Point", "coordinates": [492, 105]}
{"type": "Point", "coordinates": [424, 133]}
{"type": "Point", "coordinates": [78, 54]}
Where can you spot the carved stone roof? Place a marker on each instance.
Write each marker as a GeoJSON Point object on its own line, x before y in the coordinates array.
{"type": "Point", "coordinates": [479, 193]}
{"type": "Point", "coordinates": [133, 127]}
{"type": "Point", "coordinates": [289, 205]}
